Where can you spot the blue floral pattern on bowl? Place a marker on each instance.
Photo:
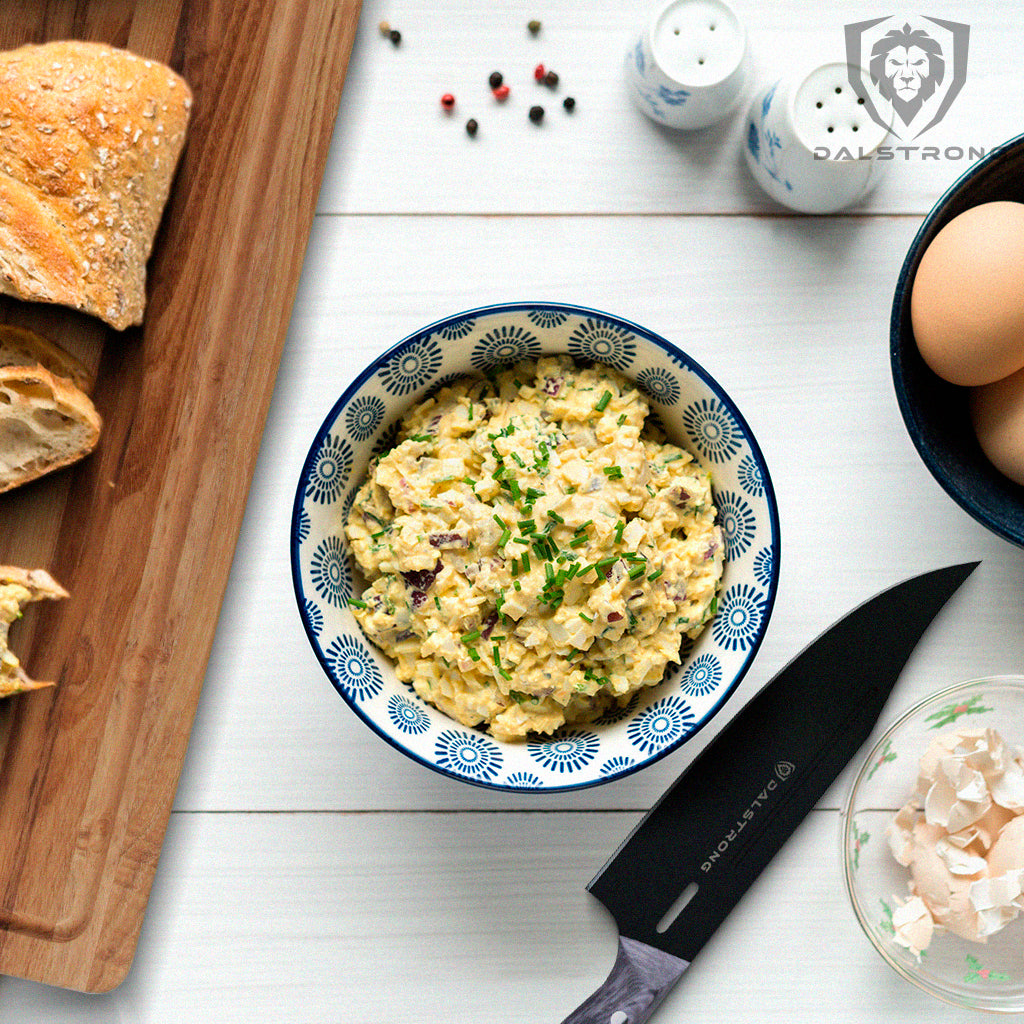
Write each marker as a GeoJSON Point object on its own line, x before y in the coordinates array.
{"type": "Point", "coordinates": [693, 411]}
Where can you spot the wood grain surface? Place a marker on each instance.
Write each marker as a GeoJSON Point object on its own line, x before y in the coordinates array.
{"type": "Point", "coordinates": [143, 532]}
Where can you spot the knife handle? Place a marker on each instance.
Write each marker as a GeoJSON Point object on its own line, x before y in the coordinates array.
{"type": "Point", "coordinates": [640, 978]}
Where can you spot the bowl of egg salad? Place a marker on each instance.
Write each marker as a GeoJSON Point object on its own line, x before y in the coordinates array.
{"type": "Point", "coordinates": [535, 546]}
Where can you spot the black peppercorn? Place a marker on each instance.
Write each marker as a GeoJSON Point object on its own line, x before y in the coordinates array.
{"type": "Point", "coordinates": [496, 79]}
{"type": "Point", "coordinates": [551, 79]}
{"type": "Point", "coordinates": [533, 26]}
{"type": "Point", "coordinates": [569, 103]}
{"type": "Point", "coordinates": [471, 126]}
{"type": "Point", "coordinates": [536, 114]}
{"type": "Point", "coordinates": [395, 36]}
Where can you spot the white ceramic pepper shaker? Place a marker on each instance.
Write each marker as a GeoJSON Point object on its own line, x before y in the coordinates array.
{"type": "Point", "coordinates": [689, 65]}
{"type": "Point", "coordinates": [810, 143]}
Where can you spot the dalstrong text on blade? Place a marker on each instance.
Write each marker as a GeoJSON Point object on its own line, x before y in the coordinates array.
{"type": "Point", "coordinates": [783, 771]}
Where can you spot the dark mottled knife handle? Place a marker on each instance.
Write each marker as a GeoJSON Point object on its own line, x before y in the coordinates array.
{"type": "Point", "coordinates": [639, 980]}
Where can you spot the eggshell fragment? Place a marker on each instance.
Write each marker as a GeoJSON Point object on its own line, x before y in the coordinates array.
{"type": "Point", "coordinates": [997, 412]}
{"type": "Point", "coordinates": [967, 300]}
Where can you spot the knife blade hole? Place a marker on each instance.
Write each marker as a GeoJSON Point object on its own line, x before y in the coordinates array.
{"type": "Point", "coordinates": [677, 908]}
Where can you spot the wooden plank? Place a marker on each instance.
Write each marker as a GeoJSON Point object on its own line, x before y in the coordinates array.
{"type": "Point", "coordinates": [406, 155]}
{"type": "Point", "coordinates": [449, 918]}
{"type": "Point", "coordinates": [143, 532]}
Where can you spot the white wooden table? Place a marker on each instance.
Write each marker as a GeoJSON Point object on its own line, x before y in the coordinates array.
{"type": "Point", "coordinates": [311, 873]}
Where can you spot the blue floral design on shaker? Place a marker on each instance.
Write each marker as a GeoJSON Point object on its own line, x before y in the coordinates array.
{"type": "Point", "coordinates": [712, 430]}
{"type": "Point", "coordinates": [758, 135]}
{"type": "Point", "coordinates": [738, 619]}
{"type": "Point", "coordinates": [738, 522]}
{"type": "Point", "coordinates": [406, 716]}
{"type": "Point", "coordinates": [468, 754]}
{"type": "Point", "coordinates": [605, 343]}
{"type": "Point", "coordinates": [666, 721]}
{"type": "Point", "coordinates": [503, 346]}
{"type": "Point", "coordinates": [568, 753]}
{"type": "Point", "coordinates": [329, 571]}
{"type": "Point", "coordinates": [354, 668]}
{"type": "Point", "coordinates": [364, 415]}
{"type": "Point", "coordinates": [412, 366]}
{"type": "Point", "coordinates": [331, 467]}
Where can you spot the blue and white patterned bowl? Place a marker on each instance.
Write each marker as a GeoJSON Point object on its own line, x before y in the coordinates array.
{"type": "Point", "coordinates": [694, 410]}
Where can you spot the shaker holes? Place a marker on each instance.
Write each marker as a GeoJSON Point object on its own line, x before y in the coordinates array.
{"type": "Point", "coordinates": [618, 1017]}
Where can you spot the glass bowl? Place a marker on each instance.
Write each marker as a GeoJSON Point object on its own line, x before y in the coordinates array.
{"type": "Point", "coordinates": [981, 976]}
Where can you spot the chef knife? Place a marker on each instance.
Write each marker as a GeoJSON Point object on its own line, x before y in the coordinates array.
{"type": "Point", "coordinates": [696, 852]}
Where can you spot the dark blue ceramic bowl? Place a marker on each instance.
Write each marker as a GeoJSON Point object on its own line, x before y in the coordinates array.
{"type": "Point", "coordinates": [936, 413]}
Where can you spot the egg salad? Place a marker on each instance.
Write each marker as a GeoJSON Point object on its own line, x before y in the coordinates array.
{"type": "Point", "coordinates": [535, 553]}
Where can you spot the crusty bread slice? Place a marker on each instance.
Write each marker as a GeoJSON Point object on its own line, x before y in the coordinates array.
{"type": "Point", "coordinates": [45, 423]}
{"type": "Point", "coordinates": [19, 587]}
{"type": "Point", "coordinates": [22, 347]}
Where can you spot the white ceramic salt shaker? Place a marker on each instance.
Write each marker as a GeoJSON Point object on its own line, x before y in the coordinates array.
{"type": "Point", "coordinates": [810, 143]}
{"type": "Point", "coordinates": [689, 65]}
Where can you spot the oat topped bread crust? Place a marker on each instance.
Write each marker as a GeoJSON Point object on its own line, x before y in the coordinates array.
{"type": "Point", "coordinates": [90, 138]}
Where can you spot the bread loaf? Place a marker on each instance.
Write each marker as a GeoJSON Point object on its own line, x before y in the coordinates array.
{"type": "Point", "coordinates": [45, 423]}
{"type": "Point", "coordinates": [89, 140]}
{"type": "Point", "coordinates": [19, 587]}
{"type": "Point", "coordinates": [22, 347]}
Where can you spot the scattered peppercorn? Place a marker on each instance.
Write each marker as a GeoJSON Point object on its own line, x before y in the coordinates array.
{"type": "Point", "coordinates": [472, 126]}
{"type": "Point", "coordinates": [501, 93]}
{"type": "Point", "coordinates": [448, 101]}
{"type": "Point", "coordinates": [533, 26]}
{"type": "Point", "coordinates": [395, 36]}
{"type": "Point", "coordinates": [536, 114]}
{"type": "Point", "coordinates": [569, 103]}
{"type": "Point", "coordinates": [385, 28]}
{"type": "Point", "coordinates": [496, 79]}
{"type": "Point", "coordinates": [551, 79]}
{"type": "Point", "coordinates": [539, 72]}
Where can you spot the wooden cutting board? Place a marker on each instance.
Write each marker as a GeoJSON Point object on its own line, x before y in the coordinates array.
{"type": "Point", "coordinates": [142, 532]}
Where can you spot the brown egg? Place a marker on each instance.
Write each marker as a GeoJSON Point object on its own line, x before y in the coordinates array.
{"type": "Point", "coordinates": [997, 411]}
{"type": "Point", "coordinates": [967, 302]}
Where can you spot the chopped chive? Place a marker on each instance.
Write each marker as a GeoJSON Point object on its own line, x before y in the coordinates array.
{"type": "Point", "coordinates": [526, 561]}
{"type": "Point", "coordinates": [533, 494]}
{"type": "Point", "coordinates": [613, 472]}
{"type": "Point", "coordinates": [468, 638]}
{"type": "Point", "coordinates": [514, 487]}
{"type": "Point", "coordinates": [619, 422]}
{"type": "Point", "coordinates": [606, 563]}
{"type": "Point", "coordinates": [518, 460]}
{"type": "Point", "coordinates": [674, 458]}
{"type": "Point", "coordinates": [501, 522]}
{"type": "Point", "coordinates": [505, 537]}
{"type": "Point", "coordinates": [515, 566]}
{"type": "Point", "coordinates": [420, 437]}
{"type": "Point", "coordinates": [354, 602]}
{"type": "Point", "coordinates": [379, 533]}
{"type": "Point", "coordinates": [517, 585]}
{"type": "Point", "coordinates": [521, 540]}
{"type": "Point", "coordinates": [504, 675]}
{"type": "Point", "coordinates": [573, 570]}
{"type": "Point", "coordinates": [470, 416]}
{"type": "Point", "coordinates": [555, 516]}
{"type": "Point", "coordinates": [474, 653]}
{"type": "Point", "coordinates": [571, 490]}
{"type": "Point", "coordinates": [577, 541]}
{"type": "Point", "coordinates": [527, 526]}
{"type": "Point", "coordinates": [619, 527]}
{"type": "Point", "coordinates": [587, 568]}
{"type": "Point", "coordinates": [437, 602]}
{"type": "Point", "coordinates": [583, 526]}
{"type": "Point", "coordinates": [602, 402]}
{"type": "Point", "coordinates": [585, 618]}
{"type": "Point", "coordinates": [497, 655]}
{"type": "Point", "coordinates": [549, 573]}
{"type": "Point", "coordinates": [636, 572]}
{"type": "Point", "coordinates": [654, 575]}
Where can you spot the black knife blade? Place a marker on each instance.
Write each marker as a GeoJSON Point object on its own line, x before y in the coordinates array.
{"type": "Point", "coordinates": [714, 830]}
